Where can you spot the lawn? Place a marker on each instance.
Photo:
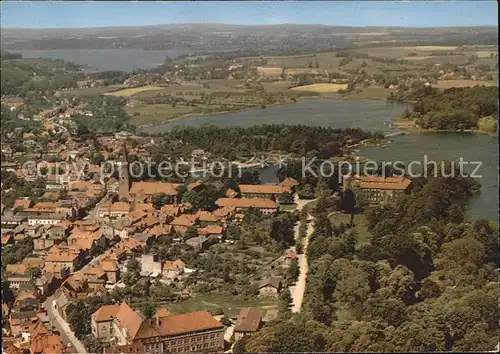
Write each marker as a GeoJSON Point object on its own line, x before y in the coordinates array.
{"type": "Point", "coordinates": [127, 92]}
{"type": "Point", "coordinates": [91, 91]}
{"type": "Point", "coordinates": [360, 224]}
{"type": "Point", "coordinates": [230, 304]}
{"type": "Point", "coordinates": [156, 113]}
{"type": "Point", "coordinates": [321, 88]}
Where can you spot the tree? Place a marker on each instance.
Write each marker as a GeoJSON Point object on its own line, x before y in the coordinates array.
{"type": "Point", "coordinates": [293, 271]}
{"type": "Point", "coordinates": [240, 345]}
{"type": "Point", "coordinates": [133, 272]}
{"type": "Point", "coordinates": [353, 286]}
{"type": "Point", "coordinates": [147, 308]}
{"type": "Point", "coordinates": [400, 284]}
{"type": "Point", "coordinates": [348, 204]}
{"type": "Point", "coordinates": [285, 302]}
{"type": "Point", "coordinates": [34, 272]}
{"type": "Point", "coordinates": [159, 200]}
{"type": "Point", "coordinates": [285, 198]}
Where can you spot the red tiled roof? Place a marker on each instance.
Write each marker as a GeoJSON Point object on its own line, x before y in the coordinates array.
{"type": "Point", "coordinates": [246, 203]}
{"type": "Point", "coordinates": [105, 313]}
{"type": "Point", "coordinates": [178, 324]}
{"type": "Point", "coordinates": [261, 189]}
{"type": "Point", "coordinates": [151, 188]}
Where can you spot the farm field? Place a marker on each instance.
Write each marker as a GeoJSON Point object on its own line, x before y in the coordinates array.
{"type": "Point", "coordinates": [321, 87]}
{"type": "Point", "coordinates": [156, 113]}
{"type": "Point", "coordinates": [91, 91]}
{"type": "Point", "coordinates": [127, 92]}
{"type": "Point", "coordinates": [445, 84]}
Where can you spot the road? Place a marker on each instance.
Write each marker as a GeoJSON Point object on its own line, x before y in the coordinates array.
{"type": "Point", "coordinates": [297, 291]}
{"type": "Point", "coordinates": [62, 326]}
{"type": "Point", "coordinates": [59, 323]}
{"type": "Point", "coordinates": [63, 128]}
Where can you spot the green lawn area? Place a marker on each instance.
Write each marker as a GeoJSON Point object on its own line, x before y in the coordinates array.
{"type": "Point", "coordinates": [230, 304]}
{"type": "Point", "coordinates": [360, 224]}
{"type": "Point", "coordinates": [91, 91]}
{"type": "Point", "coordinates": [156, 113]}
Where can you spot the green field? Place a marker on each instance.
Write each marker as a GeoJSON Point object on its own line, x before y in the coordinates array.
{"type": "Point", "coordinates": [230, 304]}
{"type": "Point", "coordinates": [360, 223]}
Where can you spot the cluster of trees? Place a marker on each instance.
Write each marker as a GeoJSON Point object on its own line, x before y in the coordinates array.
{"type": "Point", "coordinates": [10, 124]}
{"type": "Point", "coordinates": [452, 109]}
{"type": "Point", "coordinates": [426, 281]}
{"type": "Point", "coordinates": [40, 76]}
{"type": "Point", "coordinates": [15, 188]}
{"type": "Point", "coordinates": [17, 252]}
{"type": "Point", "coordinates": [5, 55]}
{"type": "Point", "coordinates": [108, 116]}
{"type": "Point", "coordinates": [234, 142]}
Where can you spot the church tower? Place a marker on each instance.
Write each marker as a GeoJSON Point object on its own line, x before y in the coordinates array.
{"type": "Point", "coordinates": [124, 174]}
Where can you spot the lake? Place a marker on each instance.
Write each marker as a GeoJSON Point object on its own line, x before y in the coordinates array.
{"type": "Point", "coordinates": [109, 59]}
{"type": "Point", "coordinates": [365, 114]}
{"type": "Point", "coordinates": [375, 115]}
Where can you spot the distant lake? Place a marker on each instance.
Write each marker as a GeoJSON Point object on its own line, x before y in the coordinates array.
{"type": "Point", "coordinates": [364, 114]}
{"type": "Point", "coordinates": [109, 59]}
{"type": "Point", "coordinates": [374, 115]}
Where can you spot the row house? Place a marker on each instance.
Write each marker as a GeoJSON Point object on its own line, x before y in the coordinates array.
{"type": "Point", "coordinates": [261, 191]}
{"type": "Point", "coordinates": [60, 257]}
{"type": "Point", "coordinates": [195, 331]}
{"type": "Point", "coordinates": [377, 190]}
{"type": "Point", "coordinates": [266, 206]}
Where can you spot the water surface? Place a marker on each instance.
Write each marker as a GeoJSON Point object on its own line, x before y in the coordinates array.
{"type": "Point", "coordinates": [109, 59]}
{"type": "Point", "coordinates": [364, 114]}
{"type": "Point", "coordinates": [376, 115]}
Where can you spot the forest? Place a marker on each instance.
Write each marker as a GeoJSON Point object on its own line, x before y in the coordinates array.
{"type": "Point", "coordinates": [232, 142]}
{"type": "Point", "coordinates": [451, 109]}
{"type": "Point", "coordinates": [39, 76]}
{"type": "Point", "coordinates": [426, 281]}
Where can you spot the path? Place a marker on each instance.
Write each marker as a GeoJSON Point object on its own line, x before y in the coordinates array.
{"type": "Point", "coordinates": [298, 289]}
{"type": "Point", "coordinates": [62, 326]}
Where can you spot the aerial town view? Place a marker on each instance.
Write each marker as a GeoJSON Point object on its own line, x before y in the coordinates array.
{"type": "Point", "coordinates": [237, 177]}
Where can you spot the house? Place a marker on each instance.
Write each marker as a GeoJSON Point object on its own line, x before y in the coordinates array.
{"type": "Point", "coordinates": [59, 258]}
{"type": "Point", "coordinates": [149, 266]}
{"type": "Point", "coordinates": [7, 239]}
{"type": "Point", "coordinates": [375, 190]}
{"type": "Point", "coordinates": [102, 321]}
{"type": "Point", "coordinates": [266, 206]}
{"type": "Point", "coordinates": [289, 184]}
{"type": "Point", "coordinates": [115, 210]}
{"type": "Point", "coordinates": [249, 321]}
{"type": "Point", "coordinates": [16, 280]}
{"type": "Point", "coordinates": [151, 188]}
{"type": "Point", "coordinates": [183, 222]}
{"type": "Point", "coordinates": [198, 243]}
{"type": "Point", "coordinates": [207, 218]}
{"type": "Point", "coordinates": [46, 343]}
{"type": "Point", "coordinates": [267, 191]}
{"type": "Point", "coordinates": [172, 269]}
{"type": "Point", "coordinates": [211, 230]}
{"type": "Point", "coordinates": [122, 326]}
{"type": "Point", "coordinates": [270, 287]}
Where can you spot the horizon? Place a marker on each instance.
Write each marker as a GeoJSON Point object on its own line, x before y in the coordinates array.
{"type": "Point", "coordinates": [408, 14]}
{"type": "Point", "coordinates": [232, 24]}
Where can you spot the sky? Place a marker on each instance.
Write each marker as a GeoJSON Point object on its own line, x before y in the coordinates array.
{"type": "Point", "coordinates": [50, 14]}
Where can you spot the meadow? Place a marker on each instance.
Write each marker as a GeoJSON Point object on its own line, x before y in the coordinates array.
{"type": "Point", "coordinates": [127, 92]}
{"type": "Point", "coordinates": [321, 88]}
